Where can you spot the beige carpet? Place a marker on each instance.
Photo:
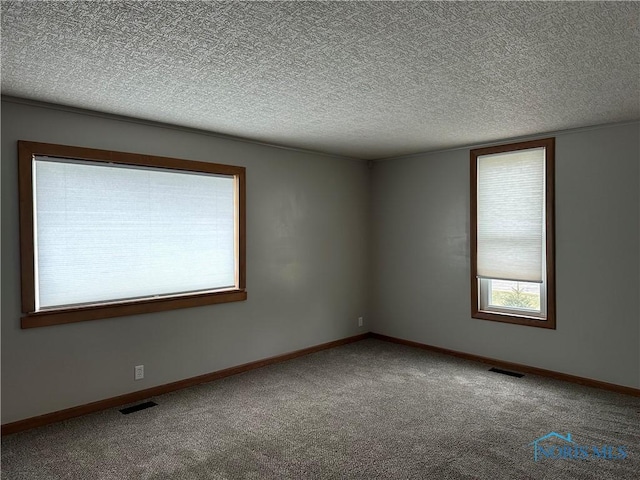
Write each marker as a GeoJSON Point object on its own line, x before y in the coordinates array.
{"type": "Point", "coordinates": [365, 410]}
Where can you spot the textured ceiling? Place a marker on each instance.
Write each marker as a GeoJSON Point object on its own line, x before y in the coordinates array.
{"type": "Point", "coordinates": [361, 79]}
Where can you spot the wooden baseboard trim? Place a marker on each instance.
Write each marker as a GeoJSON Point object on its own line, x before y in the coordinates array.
{"type": "Point", "coordinates": [132, 397]}
{"type": "Point", "coordinates": [80, 410]}
{"type": "Point", "coordinates": [514, 366]}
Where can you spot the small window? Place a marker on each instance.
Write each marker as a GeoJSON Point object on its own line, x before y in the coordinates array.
{"type": "Point", "coordinates": [107, 234]}
{"type": "Point", "coordinates": [512, 233]}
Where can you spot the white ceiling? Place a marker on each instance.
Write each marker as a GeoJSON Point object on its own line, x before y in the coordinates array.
{"type": "Point", "coordinates": [361, 79]}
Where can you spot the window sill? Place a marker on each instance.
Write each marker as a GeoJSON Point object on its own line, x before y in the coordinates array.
{"type": "Point", "coordinates": [517, 319]}
{"type": "Point", "coordinates": [95, 312]}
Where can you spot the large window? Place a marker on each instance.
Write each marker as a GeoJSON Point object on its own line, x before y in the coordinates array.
{"type": "Point", "coordinates": [106, 234]}
{"type": "Point", "coordinates": [512, 233]}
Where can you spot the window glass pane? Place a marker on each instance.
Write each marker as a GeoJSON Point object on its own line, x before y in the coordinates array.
{"type": "Point", "coordinates": [519, 295]}
{"type": "Point", "coordinates": [107, 232]}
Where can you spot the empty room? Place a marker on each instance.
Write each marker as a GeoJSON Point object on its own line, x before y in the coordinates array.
{"type": "Point", "coordinates": [309, 240]}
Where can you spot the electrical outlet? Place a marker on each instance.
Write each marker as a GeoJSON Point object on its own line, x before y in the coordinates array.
{"type": "Point", "coordinates": [139, 372]}
{"type": "Point", "coordinates": [360, 321]}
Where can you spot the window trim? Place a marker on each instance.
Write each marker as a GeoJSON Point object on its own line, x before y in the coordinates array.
{"type": "Point", "coordinates": [476, 312]}
{"type": "Point", "coordinates": [27, 150]}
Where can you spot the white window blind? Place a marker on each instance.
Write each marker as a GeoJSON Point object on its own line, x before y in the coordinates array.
{"type": "Point", "coordinates": [106, 232]}
{"type": "Point", "coordinates": [510, 217]}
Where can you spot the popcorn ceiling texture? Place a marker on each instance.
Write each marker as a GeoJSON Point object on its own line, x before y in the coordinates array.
{"type": "Point", "coordinates": [360, 79]}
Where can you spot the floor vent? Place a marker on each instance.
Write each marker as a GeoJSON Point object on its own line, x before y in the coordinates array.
{"type": "Point", "coordinates": [136, 408]}
{"type": "Point", "coordinates": [506, 372]}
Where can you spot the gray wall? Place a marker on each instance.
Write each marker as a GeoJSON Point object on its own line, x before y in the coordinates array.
{"type": "Point", "coordinates": [318, 249]}
{"type": "Point", "coordinates": [307, 261]}
{"type": "Point", "coordinates": [421, 273]}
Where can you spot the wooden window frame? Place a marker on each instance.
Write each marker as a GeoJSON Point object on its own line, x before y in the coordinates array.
{"type": "Point", "coordinates": [26, 152]}
{"type": "Point", "coordinates": [550, 284]}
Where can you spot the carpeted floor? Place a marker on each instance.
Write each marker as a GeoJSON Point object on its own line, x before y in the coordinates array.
{"type": "Point", "coordinates": [366, 410]}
